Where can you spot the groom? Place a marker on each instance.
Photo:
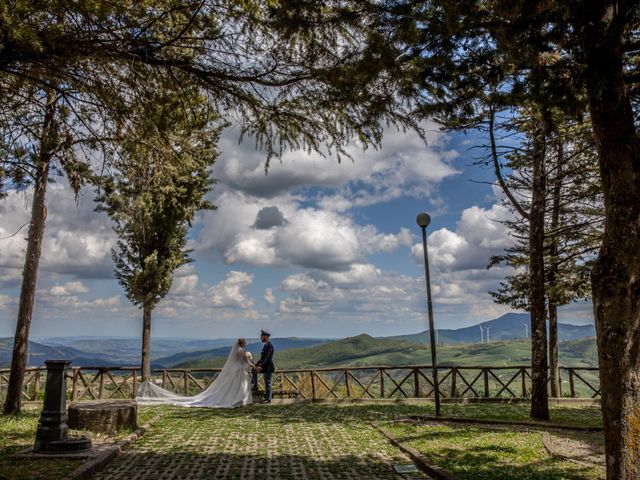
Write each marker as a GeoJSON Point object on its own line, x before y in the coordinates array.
{"type": "Point", "coordinates": [264, 366]}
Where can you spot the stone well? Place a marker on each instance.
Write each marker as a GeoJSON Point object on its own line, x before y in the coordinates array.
{"type": "Point", "coordinates": [103, 416]}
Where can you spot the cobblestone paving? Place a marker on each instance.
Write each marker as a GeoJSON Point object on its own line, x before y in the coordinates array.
{"type": "Point", "coordinates": [259, 442]}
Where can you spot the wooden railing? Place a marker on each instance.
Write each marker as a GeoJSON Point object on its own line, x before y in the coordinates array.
{"type": "Point", "coordinates": [415, 381]}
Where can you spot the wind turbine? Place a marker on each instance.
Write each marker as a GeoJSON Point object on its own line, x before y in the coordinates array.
{"type": "Point", "coordinates": [526, 330]}
{"type": "Point", "coordinates": [487, 328]}
{"type": "Point", "coordinates": [481, 334]}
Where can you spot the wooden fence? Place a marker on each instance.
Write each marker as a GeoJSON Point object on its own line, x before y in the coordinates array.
{"type": "Point", "coordinates": [415, 381]}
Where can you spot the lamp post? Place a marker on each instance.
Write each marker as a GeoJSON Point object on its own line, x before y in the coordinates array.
{"type": "Point", "coordinates": [423, 220]}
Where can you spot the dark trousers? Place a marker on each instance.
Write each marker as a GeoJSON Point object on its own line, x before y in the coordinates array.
{"type": "Point", "coordinates": [267, 383]}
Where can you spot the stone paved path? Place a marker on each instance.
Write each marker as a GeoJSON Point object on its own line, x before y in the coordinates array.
{"type": "Point", "coordinates": [259, 442]}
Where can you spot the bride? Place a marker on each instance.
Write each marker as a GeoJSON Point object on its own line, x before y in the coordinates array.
{"type": "Point", "coordinates": [230, 389]}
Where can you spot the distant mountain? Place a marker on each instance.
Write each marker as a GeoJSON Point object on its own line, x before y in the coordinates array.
{"type": "Point", "coordinates": [507, 327]}
{"type": "Point", "coordinates": [301, 352]}
{"type": "Point", "coordinates": [103, 352]}
{"type": "Point", "coordinates": [46, 352]}
{"type": "Point", "coordinates": [364, 350]}
{"type": "Point", "coordinates": [126, 351]}
{"type": "Point", "coordinates": [280, 344]}
{"type": "Point", "coordinates": [338, 352]}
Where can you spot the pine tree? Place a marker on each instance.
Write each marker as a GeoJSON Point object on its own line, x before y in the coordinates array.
{"type": "Point", "coordinates": [152, 192]}
{"type": "Point", "coordinates": [455, 53]}
{"type": "Point", "coordinates": [573, 223]}
{"type": "Point", "coordinates": [290, 78]}
{"type": "Point", "coordinates": [284, 88]}
{"type": "Point", "coordinates": [45, 136]}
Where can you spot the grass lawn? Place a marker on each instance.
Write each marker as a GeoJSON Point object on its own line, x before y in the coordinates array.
{"type": "Point", "coordinates": [490, 454]}
{"type": "Point", "coordinates": [321, 437]}
{"type": "Point", "coordinates": [18, 433]}
{"type": "Point", "coordinates": [571, 415]}
{"type": "Point", "coordinates": [281, 441]}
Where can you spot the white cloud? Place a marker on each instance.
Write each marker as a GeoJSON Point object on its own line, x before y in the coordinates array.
{"type": "Point", "coordinates": [403, 166]}
{"type": "Point", "coordinates": [77, 240]}
{"type": "Point", "coordinates": [364, 294]}
{"type": "Point", "coordinates": [458, 260]}
{"type": "Point", "coordinates": [275, 220]}
{"type": "Point", "coordinates": [111, 302]}
{"type": "Point", "coordinates": [69, 288]}
{"type": "Point", "coordinates": [300, 222]}
{"type": "Point", "coordinates": [309, 238]}
{"type": "Point", "coordinates": [479, 235]}
{"type": "Point", "coordinates": [318, 239]}
{"type": "Point", "coordinates": [61, 299]}
{"type": "Point", "coordinates": [5, 301]}
{"type": "Point", "coordinates": [307, 295]}
{"type": "Point", "coordinates": [228, 293]}
{"type": "Point", "coordinates": [10, 277]}
{"type": "Point", "coordinates": [269, 296]}
{"type": "Point", "coordinates": [358, 275]}
{"type": "Point", "coordinates": [185, 281]}
{"type": "Point", "coordinates": [485, 228]}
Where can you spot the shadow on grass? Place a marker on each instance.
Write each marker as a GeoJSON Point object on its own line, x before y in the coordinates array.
{"type": "Point", "coordinates": [504, 455]}
{"type": "Point", "coordinates": [182, 465]}
{"type": "Point", "coordinates": [12, 468]}
{"type": "Point", "coordinates": [484, 463]}
{"type": "Point", "coordinates": [348, 412]}
{"type": "Point", "coordinates": [580, 446]}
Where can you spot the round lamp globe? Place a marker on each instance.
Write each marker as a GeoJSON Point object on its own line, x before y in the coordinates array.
{"type": "Point", "coordinates": [423, 219]}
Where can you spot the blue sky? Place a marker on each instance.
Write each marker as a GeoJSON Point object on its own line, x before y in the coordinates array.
{"type": "Point", "coordinates": [315, 248]}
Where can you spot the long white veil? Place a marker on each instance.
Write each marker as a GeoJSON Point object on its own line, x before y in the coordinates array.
{"type": "Point", "coordinates": [229, 389]}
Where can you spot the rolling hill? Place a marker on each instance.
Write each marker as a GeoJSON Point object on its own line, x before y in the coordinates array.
{"type": "Point", "coordinates": [122, 350]}
{"type": "Point", "coordinates": [456, 345]}
{"type": "Point", "coordinates": [364, 350]}
{"type": "Point", "coordinates": [104, 352]}
{"type": "Point", "coordinates": [507, 327]}
{"type": "Point", "coordinates": [281, 344]}
{"type": "Point", "coordinates": [47, 352]}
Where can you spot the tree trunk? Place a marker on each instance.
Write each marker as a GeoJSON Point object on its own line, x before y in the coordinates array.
{"type": "Point", "coordinates": [616, 273]}
{"type": "Point", "coordinates": [539, 374]}
{"type": "Point", "coordinates": [13, 401]}
{"type": "Point", "coordinates": [554, 368]}
{"type": "Point", "coordinates": [146, 342]}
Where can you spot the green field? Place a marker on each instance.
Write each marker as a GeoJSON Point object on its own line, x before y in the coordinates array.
{"type": "Point", "coordinates": [481, 453]}
{"type": "Point", "coordinates": [364, 350]}
{"type": "Point", "coordinates": [338, 441]}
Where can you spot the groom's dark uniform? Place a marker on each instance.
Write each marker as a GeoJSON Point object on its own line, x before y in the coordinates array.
{"type": "Point", "coordinates": [267, 368]}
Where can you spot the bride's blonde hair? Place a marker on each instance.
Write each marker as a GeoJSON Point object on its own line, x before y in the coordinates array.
{"type": "Point", "coordinates": [242, 342]}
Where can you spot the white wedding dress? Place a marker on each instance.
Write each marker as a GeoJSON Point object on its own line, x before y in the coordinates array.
{"type": "Point", "coordinates": [230, 389]}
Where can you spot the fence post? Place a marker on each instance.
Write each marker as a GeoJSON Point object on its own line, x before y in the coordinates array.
{"type": "Point", "coordinates": [560, 382]}
{"type": "Point", "coordinates": [36, 384]}
{"type": "Point", "coordinates": [346, 383]}
{"type": "Point", "coordinates": [134, 387]}
{"type": "Point", "coordinates": [382, 382]}
{"type": "Point", "coordinates": [485, 374]}
{"type": "Point", "coordinates": [101, 390]}
{"type": "Point", "coordinates": [164, 379]}
{"type": "Point", "coordinates": [74, 383]}
{"type": "Point", "coordinates": [416, 383]}
{"type": "Point", "coordinates": [313, 385]}
{"type": "Point", "coordinates": [572, 387]}
{"type": "Point", "coordinates": [523, 380]}
{"type": "Point", "coordinates": [454, 374]}
{"type": "Point", "coordinates": [185, 378]}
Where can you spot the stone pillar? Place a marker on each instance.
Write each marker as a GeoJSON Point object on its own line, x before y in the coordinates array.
{"type": "Point", "coordinates": [53, 419]}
